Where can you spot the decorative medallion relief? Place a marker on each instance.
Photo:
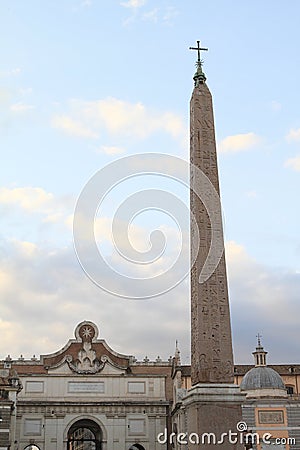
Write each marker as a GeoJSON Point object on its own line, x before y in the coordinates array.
{"type": "Point", "coordinates": [86, 361]}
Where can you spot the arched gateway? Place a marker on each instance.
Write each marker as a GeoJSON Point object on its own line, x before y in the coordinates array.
{"type": "Point", "coordinates": [84, 434]}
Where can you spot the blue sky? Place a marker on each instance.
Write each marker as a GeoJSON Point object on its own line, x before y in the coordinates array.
{"type": "Point", "coordinates": [83, 83]}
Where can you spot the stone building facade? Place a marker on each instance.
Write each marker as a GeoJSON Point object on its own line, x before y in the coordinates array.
{"type": "Point", "coordinates": [10, 386]}
{"type": "Point", "coordinates": [271, 403]}
{"type": "Point", "coordinates": [86, 396]}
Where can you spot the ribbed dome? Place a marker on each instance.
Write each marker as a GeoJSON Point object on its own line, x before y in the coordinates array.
{"type": "Point", "coordinates": [262, 378]}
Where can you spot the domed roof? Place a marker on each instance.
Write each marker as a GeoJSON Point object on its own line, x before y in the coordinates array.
{"type": "Point", "coordinates": [261, 377]}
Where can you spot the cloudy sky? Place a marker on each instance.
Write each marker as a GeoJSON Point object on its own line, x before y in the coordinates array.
{"type": "Point", "coordinates": [86, 82]}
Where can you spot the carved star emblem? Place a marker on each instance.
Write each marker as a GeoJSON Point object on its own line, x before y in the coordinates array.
{"type": "Point", "coordinates": [87, 332]}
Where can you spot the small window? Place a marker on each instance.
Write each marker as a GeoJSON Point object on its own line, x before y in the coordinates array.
{"type": "Point", "coordinates": [290, 390]}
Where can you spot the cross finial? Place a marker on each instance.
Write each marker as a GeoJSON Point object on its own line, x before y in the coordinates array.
{"type": "Point", "coordinates": [259, 336]}
{"type": "Point", "coordinates": [199, 76]}
{"type": "Point", "coordinates": [198, 48]}
{"type": "Point", "coordinates": [260, 355]}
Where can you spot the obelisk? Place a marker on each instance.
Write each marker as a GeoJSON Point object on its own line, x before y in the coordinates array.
{"type": "Point", "coordinates": [213, 404]}
{"type": "Point", "coordinates": [212, 358]}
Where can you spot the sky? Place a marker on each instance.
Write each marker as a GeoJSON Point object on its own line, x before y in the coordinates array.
{"type": "Point", "coordinates": [84, 83]}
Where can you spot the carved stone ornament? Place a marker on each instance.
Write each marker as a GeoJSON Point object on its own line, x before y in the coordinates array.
{"type": "Point", "coordinates": [86, 361]}
{"type": "Point", "coordinates": [85, 367]}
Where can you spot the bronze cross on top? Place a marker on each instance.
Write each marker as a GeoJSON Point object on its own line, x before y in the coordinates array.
{"type": "Point", "coordinates": [198, 48]}
{"type": "Point", "coordinates": [258, 338]}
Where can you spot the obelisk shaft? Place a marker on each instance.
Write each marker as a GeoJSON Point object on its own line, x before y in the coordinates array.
{"type": "Point", "coordinates": [211, 343]}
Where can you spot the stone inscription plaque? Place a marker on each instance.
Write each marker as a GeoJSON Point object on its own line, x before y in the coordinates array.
{"type": "Point", "coordinates": [270, 416]}
{"type": "Point", "coordinates": [34, 386]}
{"type": "Point", "coordinates": [77, 387]}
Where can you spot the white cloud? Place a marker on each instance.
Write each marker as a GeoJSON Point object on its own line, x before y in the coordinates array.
{"type": "Point", "coordinates": [81, 5]}
{"type": "Point", "coordinates": [262, 299]}
{"type": "Point", "coordinates": [25, 248]}
{"type": "Point", "coordinates": [35, 200]}
{"type": "Point", "coordinates": [28, 198]}
{"type": "Point", "coordinates": [239, 142]}
{"type": "Point", "coordinates": [11, 72]}
{"type": "Point", "coordinates": [236, 255]}
{"type": "Point", "coordinates": [55, 217]}
{"type": "Point", "coordinates": [133, 3]}
{"type": "Point", "coordinates": [165, 15]}
{"type": "Point", "coordinates": [152, 15]}
{"type": "Point", "coordinates": [293, 135]}
{"type": "Point", "coordinates": [15, 71]}
{"type": "Point", "coordinates": [128, 239]}
{"type": "Point", "coordinates": [293, 163]}
{"type": "Point", "coordinates": [20, 107]}
{"type": "Point", "coordinates": [49, 297]}
{"type": "Point", "coordinates": [73, 127]}
{"type": "Point", "coordinates": [170, 14]}
{"type": "Point", "coordinates": [118, 117]}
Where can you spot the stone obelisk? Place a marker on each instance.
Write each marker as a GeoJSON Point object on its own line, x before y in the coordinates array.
{"type": "Point", "coordinates": [213, 404]}
{"type": "Point", "coordinates": [211, 355]}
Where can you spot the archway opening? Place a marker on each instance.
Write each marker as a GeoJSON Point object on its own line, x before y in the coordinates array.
{"type": "Point", "coordinates": [85, 434]}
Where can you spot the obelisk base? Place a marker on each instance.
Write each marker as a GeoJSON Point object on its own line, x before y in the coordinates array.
{"type": "Point", "coordinates": [211, 410]}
